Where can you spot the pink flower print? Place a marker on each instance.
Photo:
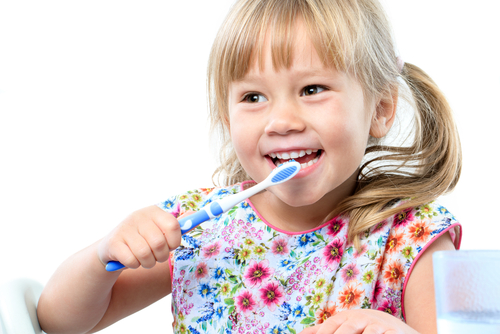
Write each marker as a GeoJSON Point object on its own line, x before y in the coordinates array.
{"type": "Point", "coordinates": [332, 254]}
{"type": "Point", "coordinates": [350, 272]}
{"type": "Point", "coordinates": [334, 227]}
{"type": "Point", "coordinates": [279, 247]}
{"type": "Point", "coordinates": [257, 272]}
{"type": "Point", "coordinates": [201, 270]}
{"type": "Point", "coordinates": [211, 250]}
{"type": "Point", "coordinates": [377, 290]}
{"type": "Point", "coordinates": [377, 228]}
{"type": "Point", "coordinates": [245, 302]}
{"type": "Point", "coordinates": [272, 295]}
{"type": "Point", "coordinates": [403, 218]}
{"type": "Point", "coordinates": [357, 254]}
{"type": "Point", "coordinates": [388, 307]}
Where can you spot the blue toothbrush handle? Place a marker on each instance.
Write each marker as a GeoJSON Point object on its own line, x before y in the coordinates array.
{"type": "Point", "coordinates": [191, 221]}
{"type": "Point", "coordinates": [186, 223]}
{"type": "Point", "coordinates": [114, 266]}
{"type": "Point", "coordinates": [204, 214]}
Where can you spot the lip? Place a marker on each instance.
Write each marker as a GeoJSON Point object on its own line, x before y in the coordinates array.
{"type": "Point", "coordinates": [303, 171]}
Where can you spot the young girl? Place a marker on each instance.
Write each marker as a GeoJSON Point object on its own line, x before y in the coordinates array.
{"type": "Point", "coordinates": [335, 249]}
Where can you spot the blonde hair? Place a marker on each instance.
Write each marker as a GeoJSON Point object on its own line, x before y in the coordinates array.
{"type": "Point", "coordinates": [353, 36]}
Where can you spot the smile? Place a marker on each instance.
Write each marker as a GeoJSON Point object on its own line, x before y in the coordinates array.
{"type": "Point", "coordinates": [306, 158]}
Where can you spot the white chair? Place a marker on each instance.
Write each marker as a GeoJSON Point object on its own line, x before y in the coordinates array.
{"type": "Point", "coordinates": [18, 301]}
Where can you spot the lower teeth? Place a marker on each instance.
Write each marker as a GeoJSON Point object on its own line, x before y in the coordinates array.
{"type": "Point", "coordinates": [304, 165]}
{"type": "Point", "coordinates": [310, 163]}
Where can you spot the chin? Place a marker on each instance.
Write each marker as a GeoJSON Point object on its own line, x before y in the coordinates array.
{"type": "Point", "coordinates": [298, 199]}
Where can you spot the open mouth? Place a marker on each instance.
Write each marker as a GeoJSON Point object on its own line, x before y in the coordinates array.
{"type": "Point", "coordinates": [305, 158]}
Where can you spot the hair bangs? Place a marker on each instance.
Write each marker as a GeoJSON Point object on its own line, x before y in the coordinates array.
{"type": "Point", "coordinates": [272, 21]}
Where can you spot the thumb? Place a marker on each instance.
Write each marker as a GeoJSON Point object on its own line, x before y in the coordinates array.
{"type": "Point", "coordinates": [310, 330]}
{"type": "Point", "coordinates": [185, 214]}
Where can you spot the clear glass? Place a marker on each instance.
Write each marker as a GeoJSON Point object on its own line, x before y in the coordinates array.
{"type": "Point", "coordinates": [467, 285]}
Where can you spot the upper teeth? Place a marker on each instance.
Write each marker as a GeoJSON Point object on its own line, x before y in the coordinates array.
{"type": "Point", "coordinates": [292, 154]}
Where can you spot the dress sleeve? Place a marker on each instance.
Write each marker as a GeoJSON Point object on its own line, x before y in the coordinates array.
{"type": "Point", "coordinates": [413, 230]}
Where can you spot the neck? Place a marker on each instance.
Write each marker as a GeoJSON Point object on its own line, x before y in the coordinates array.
{"type": "Point", "coordinates": [303, 218]}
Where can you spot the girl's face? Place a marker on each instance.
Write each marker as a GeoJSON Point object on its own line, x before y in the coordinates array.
{"type": "Point", "coordinates": [309, 112]}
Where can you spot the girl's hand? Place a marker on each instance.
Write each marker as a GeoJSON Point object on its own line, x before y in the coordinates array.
{"type": "Point", "coordinates": [361, 321]}
{"type": "Point", "coordinates": [145, 237]}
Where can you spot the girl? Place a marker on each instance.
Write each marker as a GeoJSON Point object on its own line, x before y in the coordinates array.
{"type": "Point", "coordinates": [335, 249]}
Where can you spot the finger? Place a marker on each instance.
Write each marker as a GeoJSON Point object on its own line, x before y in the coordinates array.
{"type": "Point", "coordinates": [351, 326]}
{"type": "Point", "coordinates": [185, 214]}
{"type": "Point", "coordinates": [156, 241]}
{"type": "Point", "coordinates": [332, 324]}
{"type": "Point", "coordinates": [377, 328]}
{"type": "Point", "coordinates": [169, 226]}
{"type": "Point", "coordinates": [122, 253]}
{"type": "Point", "coordinates": [141, 250]}
{"type": "Point", "coordinates": [310, 330]}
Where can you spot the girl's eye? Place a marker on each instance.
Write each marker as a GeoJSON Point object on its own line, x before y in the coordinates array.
{"type": "Point", "coordinates": [254, 98]}
{"type": "Point", "coordinates": [311, 90]}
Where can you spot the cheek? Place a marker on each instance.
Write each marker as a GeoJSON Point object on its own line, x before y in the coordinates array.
{"type": "Point", "coordinates": [242, 138]}
{"type": "Point", "coordinates": [348, 133]}
{"type": "Point", "coordinates": [237, 133]}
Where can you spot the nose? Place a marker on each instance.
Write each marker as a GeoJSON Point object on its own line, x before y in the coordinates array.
{"type": "Point", "coordinates": [285, 118]}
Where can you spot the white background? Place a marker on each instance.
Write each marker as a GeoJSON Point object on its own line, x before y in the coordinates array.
{"type": "Point", "coordinates": [103, 111]}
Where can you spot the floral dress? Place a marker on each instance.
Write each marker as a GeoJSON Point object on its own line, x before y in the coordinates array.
{"type": "Point", "coordinates": [238, 274]}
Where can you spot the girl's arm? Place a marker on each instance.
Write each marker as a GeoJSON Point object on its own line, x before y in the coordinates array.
{"type": "Point", "coordinates": [419, 299]}
{"type": "Point", "coordinates": [82, 297]}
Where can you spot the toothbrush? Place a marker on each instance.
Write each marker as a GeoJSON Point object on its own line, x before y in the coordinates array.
{"type": "Point", "coordinates": [280, 174]}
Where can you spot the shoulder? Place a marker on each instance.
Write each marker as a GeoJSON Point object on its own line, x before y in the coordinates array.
{"type": "Point", "coordinates": [402, 239]}
{"type": "Point", "coordinates": [419, 226]}
{"type": "Point", "coordinates": [409, 233]}
{"type": "Point", "coordinates": [193, 200]}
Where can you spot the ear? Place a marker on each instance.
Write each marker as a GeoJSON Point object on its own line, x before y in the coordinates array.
{"type": "Point", "coordinates": [385, 114]}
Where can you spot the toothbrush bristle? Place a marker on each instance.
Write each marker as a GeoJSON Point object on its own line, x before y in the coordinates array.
{"type": "Point", "coordinates": [284, 174]}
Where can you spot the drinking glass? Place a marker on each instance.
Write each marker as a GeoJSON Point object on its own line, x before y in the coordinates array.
{"type": "Point", "coordinates": [467, 286]}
